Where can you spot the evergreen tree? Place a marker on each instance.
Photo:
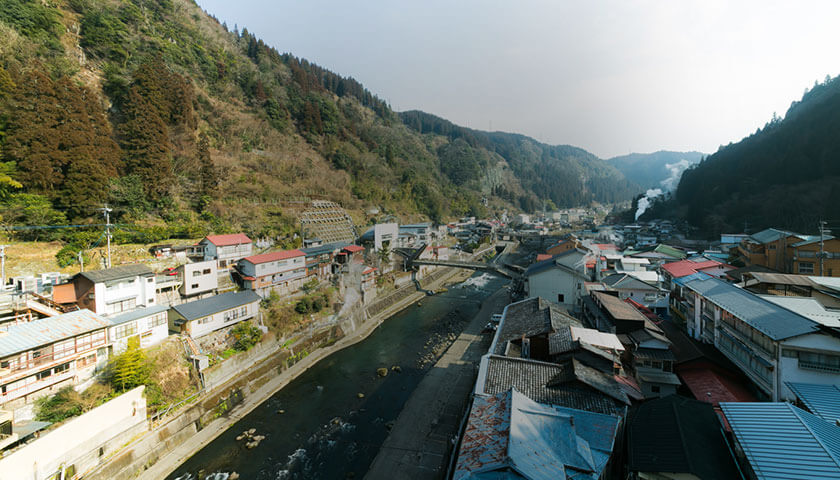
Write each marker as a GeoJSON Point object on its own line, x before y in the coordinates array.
{"type": "Point", "coordinates": [145, 141]}
{"type": "Point", "coordinates": [129, 368]}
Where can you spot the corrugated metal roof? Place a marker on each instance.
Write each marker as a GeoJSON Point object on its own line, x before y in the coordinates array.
{"type": "Point", "coordinates": [508, 432]}
{"type": "Point", "coordinates": [274, 256]}
{"type": "Point", "coordinates": [116, 273]}
{"type": "Point", "coordinates": [688, 267]}
{"type": "Point", "coordinates": [822, 400]}
{"type": "Point", "coordinates": [772, 320]}
{"type": "Point", "coordinates": [215, 304]}
{"type": "Point", "coordinates": [141, 313]}
{"type": "Point", "coordinates": [228, 239]}
{"type": "Point", "coordinates": [25, 336]}
{"type": "Point", "coordinates": [807, 307]}
{"type": "Point", "coordinates": [811, 239]}
{"type": "Point", "coordinates": [321, 249]}
{"type": "Point", "coordinates": [770, 235]}
{"type": "Point", "coordinates": [782, 442]}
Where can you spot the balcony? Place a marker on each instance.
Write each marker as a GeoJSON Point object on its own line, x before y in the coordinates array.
{"type": "Point", "coordinates": [818, 367]}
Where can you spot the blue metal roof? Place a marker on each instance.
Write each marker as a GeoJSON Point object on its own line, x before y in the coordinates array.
{"type": "Point", "coordinates": [690, 278]}
{"type": "Point", "coordinates": [809, 239]}
{"type": "Point", "coordinates": [26, 336]}
{"type": "Point", "coordinates": [509, 433]}
{"type": "Point", "coordinates": [770, 235]}
{"type": "Point", "coordinates": [782, 442]}
{"type": "Point", "coordinates": [321, 249]}
{"type": "Point", "coordinates": [134, 315]}
{"type": "Point", "coordinates": [768, 318]}
{"type": "Point", "coordinates": [822, 400]}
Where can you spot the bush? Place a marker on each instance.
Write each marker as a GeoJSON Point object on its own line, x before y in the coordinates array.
{"type": "Point", "coordinates": [245, 336]}
{"type": "Point", "coordinates": [61, 406]}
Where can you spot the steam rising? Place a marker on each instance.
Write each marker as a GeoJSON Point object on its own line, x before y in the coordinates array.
{"type": "Point", "coordinates": [669, 185]}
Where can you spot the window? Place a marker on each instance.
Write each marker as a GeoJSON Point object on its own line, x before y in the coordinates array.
{"type": "Point", "coordinates": [125, 330]}
{"type": "Point", "coordinates": [205, 320]}
{"type": "Point", "coordinates": [819, 361]}
{"type": "Point", "coordinates": [206, 271]}
{"type": "Point", "coordinates": [806, 267]}
{"type": "Point", "coordinates": [194, 285]}
{"type": "Point", "coordinates": [64, 349]}
{"type": "Point", "coordinates": [86, 361]}
{"type": "Point", "coordinates": [561, 298]}
{"type": "Point", "coordinates": [43, 375]}
{"type": "Point", "coordinates": [61, 368]}
{"type": "Point", "coordinates": [196, 273]}
{"type": "Point", "coordinates": [157, 320]}
{"type": "Point", "coordinates": [150, 279]}
{"type": "Point", "coordinates": [4, 364]}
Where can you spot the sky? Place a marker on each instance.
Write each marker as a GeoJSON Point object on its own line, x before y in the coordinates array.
{"type": "Point", "coordinates": [610, 76]}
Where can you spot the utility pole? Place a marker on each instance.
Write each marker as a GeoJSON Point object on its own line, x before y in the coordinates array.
{"type": "Point", "coordinates": [3, 266]}
{"type": "Point", "coordinates": [81, 262]}
{"type": "Point", "coordinates": [107, 213]}
{"type": "Point", "coordinates": [823, 232]}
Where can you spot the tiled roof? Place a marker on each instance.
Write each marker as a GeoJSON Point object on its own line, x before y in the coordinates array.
{"type": "Point", "coordinates": [617, 308]}
{"type": "Point", "coordinates": [678, 435]}
{"type": "Point", "coordinates": [26, 336]}
{"type": "Point", "coordinates": [569, 384]}
{"type": "Point", "coordinates": [534, 316]}
{"type": "Point", "coordinates": [822, 400]}
{"type": "Point", "coordinates": [620, 281]}
{"type": "Point", "coordinates": [353, 248]}
{"type": "Point", "coordinates": [117, 273]}
{"type": "Point", "coordinates": [215, 304]}
{"type": "Point", "coordinates": [508, 432]}
{"type": "Point", "coordinates": [228, 239]}
{"type": "Point", "coordinates": [711, 386]}
{"type": "Point", "coordinates": [274, 256]}
{"type": "Point", "coordinates": [782, 442]}
{"type": "Point", "coordinates": [766, 317]}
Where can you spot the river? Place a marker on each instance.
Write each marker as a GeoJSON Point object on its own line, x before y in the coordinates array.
{"type": "Point", "coordinates": [327, 431]}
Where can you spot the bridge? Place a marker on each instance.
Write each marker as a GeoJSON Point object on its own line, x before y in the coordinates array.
{"type": "Point", "coordinates": [502, 270]}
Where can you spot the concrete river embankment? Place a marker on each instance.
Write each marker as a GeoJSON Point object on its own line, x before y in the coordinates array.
{"type": "Point", "coordinates": [330, 422]}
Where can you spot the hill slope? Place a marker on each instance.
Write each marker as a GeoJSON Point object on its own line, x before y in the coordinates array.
{"type": "Point", "coordinates": [785, 175]}
{"type": "Point", "coordinates": [184, 127]}
{"type": "Point", "coordinates": [650, 170]}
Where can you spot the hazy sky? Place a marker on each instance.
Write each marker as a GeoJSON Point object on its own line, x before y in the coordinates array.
{"type": "Point", "coordinates": [612, 77]}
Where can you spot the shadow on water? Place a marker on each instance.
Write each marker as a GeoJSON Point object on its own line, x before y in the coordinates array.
{"type": "Point", "coordinates": [327, 431]}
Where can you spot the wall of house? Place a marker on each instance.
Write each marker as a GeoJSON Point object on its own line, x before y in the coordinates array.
{"type": "Point", "coordinates": [203, 326]}
{"type": "Point", "coordinates": [151, 330]}
{"type": "Point", "coordinates": [199, 277]}
{"type": "Point", "coordinates": [793, 371]}
{"type": "Point", "coordinates": [82, 442]}
{"type": "Point", "coordinates": [552, 283]}
{"type": "Point", "coordinates": [807, 261]}
{"type": "Point", "coordinates": [109, 294]}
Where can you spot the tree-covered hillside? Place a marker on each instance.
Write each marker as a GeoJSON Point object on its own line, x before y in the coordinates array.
{"type": "Point", "coordinates": [185, 126]}
{"type": "Point", "coordinates": [650, 170]}
{"type": "Point", "coordinates": [785, 175]}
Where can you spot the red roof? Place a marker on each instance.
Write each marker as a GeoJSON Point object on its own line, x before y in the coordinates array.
{"type": "Point", "coordinates": [354, 248]}
{"type": "Point", "coordinates": [543, 256]}
{"type": "Point", "coordinates": [607, 246]}
{"type": "Point", "coordinates": [710, 386]}
{"type": "Point", "coordinates": [274, 256]}
{"type": "Point", "coordinates": [229, 239]}
{"type": "Point", "coordinates": [684, 268]}
{"type": "Point", "coordinates": [369, 270]}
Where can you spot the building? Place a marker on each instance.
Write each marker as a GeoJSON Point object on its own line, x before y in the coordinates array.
{"type": "Point", "coordinates": [385, 235]}
{"type": "Point", "coordinates": [604, 311]}
{"type": "Point", "coordinates": [653, 362]}
{"type": "Point", "coordinates": [283, 272]}
{"type": "Point", "coordinates": [683, 268]}
{"type": "Point", "coordinates": [41, 356]}
{"type": "Point", "coordinates": [7, 434]}
{"type": "Point", "coordinates": [201, 317]}
{"type": "Point", "coordinates": [570, 243]}
{"type": "Point", "coordinates": [770, 344]}
{"type": "Point", "coordinates": [677, 438]}
{"type": "Point", "coordinates": [534, 319]}
{"type": "Point", "coordinates": [568, 384]}
{"type": "Point", "coordinates": [777, 441]}
{"type": "Point", "coordinates": [821, 400]}
{"type": "Point", "coordinates": [816, 256]}
{"type": "Point", "coordinates": [110, 291]}
{"type": "Point", "coordinates": [80, 444]}
{"type": "Point", "coordinates": [825, 290]}
{"type": "Point", "coordinates": [628, 286]}
{"type": "Point", "coordinates": [226, 250]}
{"type": "Point", "coordinates": [320, 260]}
{"type": "Point", "coordinates": [559, 279]}
{"type": "Point", "coordinates": [199, 278]}
{"type": "Point", "coordinates": [508, 433]}
{"type": "Point", "coordinates": [790, 252]}
{"type": "Point", "coordinates": [149, 325]}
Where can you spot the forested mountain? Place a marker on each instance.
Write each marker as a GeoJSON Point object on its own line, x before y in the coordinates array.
{"type": "Point", "coordinates": [184, 126]}
{"type": "Point", "coordinates": [564, 174]}
{"type": "Point", "coordinates": [650, 170]}
{"type": "Point", "coordinates": [785, 175]}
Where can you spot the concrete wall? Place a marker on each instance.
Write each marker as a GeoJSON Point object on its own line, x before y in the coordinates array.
{"type": "Point", "coordinates": [202, 282]}
{"type": "Point", "coordinates": [551, 283]}
{"type": "Point", "coordinates": [82, 442]}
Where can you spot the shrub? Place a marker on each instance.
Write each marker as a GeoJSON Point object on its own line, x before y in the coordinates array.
{"type": "Point", "coordinates": [245, 336]}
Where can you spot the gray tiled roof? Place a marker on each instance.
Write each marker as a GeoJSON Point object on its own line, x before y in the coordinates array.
{"type": "Point", "coordinates": [770, 319]}
{"type": "Point", "coordinates": [569, 384]}
{"type": "Point", "coordinates": [117, 273]}
{"type": "Point", "coordinates": [215, 304]}
{"type": "Point", "coordinates": [534, 316]}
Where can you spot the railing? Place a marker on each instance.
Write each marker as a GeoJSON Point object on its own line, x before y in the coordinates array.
{"type": "Point", "coordinates": [820, 367]}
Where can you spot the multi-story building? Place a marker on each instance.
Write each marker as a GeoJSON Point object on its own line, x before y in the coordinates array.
{"type": "Point", "coordinates": [149, 325]}
{"type": "Point", "coordinates": [817, 256]}
{"type": "Point", "coordinates": [198, 278]}
{"type": "Point", "coordinates": [789, 252]}
{"type": "Point", "coordinates": [226, 250]}
{"type": "Point", "coordinates": [283, 271]}
{"type": "Point", "coordinates": [770, 344]}
{"type": "Point", "coordinates": [111, 291]}
{"type": "Point", "coordinates": [43, 355]}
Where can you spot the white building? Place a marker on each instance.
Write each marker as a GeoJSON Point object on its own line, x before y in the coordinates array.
{"type": "Point", "coordinates": [150, 325]}
{"type": "Point", "coordinates": [198, 278]}
{"type": "Point", "coordinates": [770, 344]}
{"type": "Point", "coordinates": [113, 290]}
{"type": "Point", "coordinates": [559, 279]}
{"type": "Point", "coordinates": [201, 317]}
{"type": "Point", "coordinates": [385, 234]}
{"type": "Point", "coordinates": [226, 249]}
{"type": "Point", "coordinates": [283, 271]}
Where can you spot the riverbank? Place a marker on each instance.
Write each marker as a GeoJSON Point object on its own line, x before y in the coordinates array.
{"type": "Point", "coordinates": [169, 462]}
{"type": "Point", "coordinates": [421, 441]}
